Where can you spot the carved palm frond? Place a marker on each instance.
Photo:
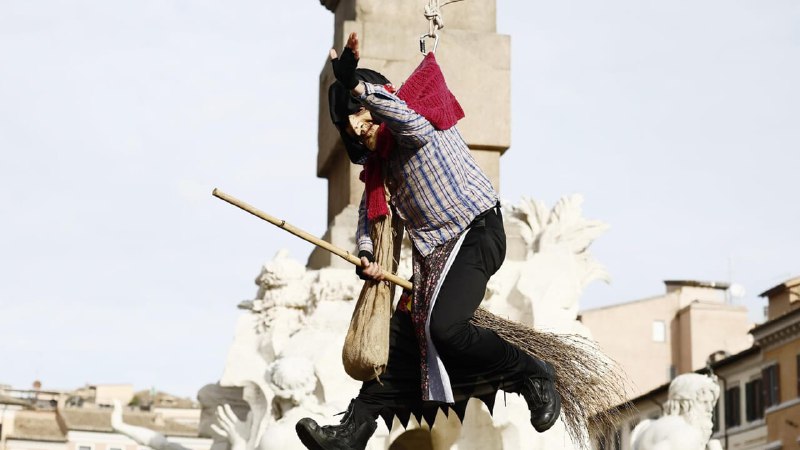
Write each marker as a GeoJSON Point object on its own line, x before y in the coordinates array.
{"type": "Point", "coordinates": [532, 216]}
{"type": "Point", "coordinates": [566, 226]}
{"type": "Point", "coordinates": [595, 272]}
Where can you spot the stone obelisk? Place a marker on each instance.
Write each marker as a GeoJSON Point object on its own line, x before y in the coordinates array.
{"type": "Point", "coordinates": [476, 62]}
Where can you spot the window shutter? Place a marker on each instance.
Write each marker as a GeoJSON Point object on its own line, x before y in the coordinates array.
{"type": "Point", "coordinates": [715, 418]}
{"type": "Point", "coordinates": [737, 413]}
{"type": "Point", "coordinates": [733, 409]}
{"type": "Point", "coordinates": [749, 401]}
{"type": "Point", "coordinates": [728, 414]}
{"type": "Point", "coordinates": [798, 375]}
{"type": "Point", "coordinates": [759, 398]}
{"type": "Point", "coordinates": [771, 380]}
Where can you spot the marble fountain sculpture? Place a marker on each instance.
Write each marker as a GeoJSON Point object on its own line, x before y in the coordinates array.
{"type": "Point", "coordinates": [687, 421]}
{"type": "Point", "coordinates": [286, 354]}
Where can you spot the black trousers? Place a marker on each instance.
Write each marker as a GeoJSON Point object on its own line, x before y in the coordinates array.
{"type": "Point", "coordinates": [477, 360]}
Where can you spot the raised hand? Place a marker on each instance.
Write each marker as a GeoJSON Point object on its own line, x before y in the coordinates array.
{"type": "Point", "coordinates": [231, 427]}
{"type": "Point", "coordinates": [344, 67]}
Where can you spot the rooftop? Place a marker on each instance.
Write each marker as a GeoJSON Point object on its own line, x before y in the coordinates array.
{"type": "Point", "coordinates": [700, 284]}
{"type": "Point", "coordinates": [7, 400]}
{"type": "Point", "coordinates": [782, 326]}
{"type": "Point", "coordinates": [788, 284]}
{"type": "Point", "coordinates": [90, 419]}
{"type": "Point", "coordinates": [37, 426]}
{"type": "Point", "coordinates": [52, 426]}
{"type": "Point", "coordinates": [674, 284]}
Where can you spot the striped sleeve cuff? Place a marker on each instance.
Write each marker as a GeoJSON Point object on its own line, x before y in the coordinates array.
{"type": "Point", "coordinates": [365, 245]}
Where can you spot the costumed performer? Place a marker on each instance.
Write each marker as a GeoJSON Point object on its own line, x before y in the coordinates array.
{"type": "Point", "coordinates": [408, 142]}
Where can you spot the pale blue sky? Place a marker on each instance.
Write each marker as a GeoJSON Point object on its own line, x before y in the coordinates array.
{"type": "Point", "coordinates": [678, 121]}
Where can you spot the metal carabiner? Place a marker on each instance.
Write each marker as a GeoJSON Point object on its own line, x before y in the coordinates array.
{"type": "Point", "coordinates": [422, 39]}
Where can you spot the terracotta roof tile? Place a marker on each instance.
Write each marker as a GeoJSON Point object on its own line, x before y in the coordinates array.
{"type": "Point", "coordinates": [37, 426]}
{"type": "Point", "coordinates": [6, 400]}
{"type": "Point", "coordinates": [81, 419]}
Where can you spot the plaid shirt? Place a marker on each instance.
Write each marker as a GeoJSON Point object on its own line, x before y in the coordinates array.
{"type": "Point", "coordinates": [435, 184]}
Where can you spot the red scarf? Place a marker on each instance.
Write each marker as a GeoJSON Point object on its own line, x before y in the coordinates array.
{"type": "Point", "coordinates": [372, 175]}
{"type": "Point", "coordinates": [426, 93]}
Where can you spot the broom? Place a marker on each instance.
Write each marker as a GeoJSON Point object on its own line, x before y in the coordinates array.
{"type": "Point", "coordinates": [591, 385]}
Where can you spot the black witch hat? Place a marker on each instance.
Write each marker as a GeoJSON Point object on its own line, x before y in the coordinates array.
{"type": "Point", "coordinates": [342, 104]}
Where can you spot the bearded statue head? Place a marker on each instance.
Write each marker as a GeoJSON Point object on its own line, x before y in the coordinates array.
{"type": "Point", "coordinates": [693, 397]}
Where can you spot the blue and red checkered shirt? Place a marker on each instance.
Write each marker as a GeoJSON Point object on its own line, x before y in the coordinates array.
{"type": "Point", "coordinates": [435, 184]}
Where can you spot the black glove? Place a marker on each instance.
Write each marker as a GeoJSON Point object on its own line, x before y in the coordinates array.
{"type": "Point", "coordinates": [344, 68]}
{"type": "Point", "coordinates": [359, 269]}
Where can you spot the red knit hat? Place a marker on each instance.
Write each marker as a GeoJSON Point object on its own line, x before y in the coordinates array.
{"type": "Point", "coordinates": [426, 92]}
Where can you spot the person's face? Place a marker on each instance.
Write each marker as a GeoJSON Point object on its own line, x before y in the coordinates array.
{"type": "Point", "coordinates": [363, 128]}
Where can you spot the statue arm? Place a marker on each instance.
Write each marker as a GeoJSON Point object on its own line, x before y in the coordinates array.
{"type": "Point", "coordinates": [259, 396]}
{"type": "Point", "coordinates": [141, 435]}
{"type": "Point", "coordinates": [231, 427]}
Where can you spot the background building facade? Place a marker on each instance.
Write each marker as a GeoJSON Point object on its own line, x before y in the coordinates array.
{"type": "Point", "coordinates": [657, 338]}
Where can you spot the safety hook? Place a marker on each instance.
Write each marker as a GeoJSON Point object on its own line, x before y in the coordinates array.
{"type": "Point", "coordinates": [422, 47]}
{"type": "Point", "coordinates": [433, 12]}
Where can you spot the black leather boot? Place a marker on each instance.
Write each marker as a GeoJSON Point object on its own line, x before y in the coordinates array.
{"type": "Point", "coordinates": [539, 392]}
{"type": "Point", "coordinates": [351, 434]}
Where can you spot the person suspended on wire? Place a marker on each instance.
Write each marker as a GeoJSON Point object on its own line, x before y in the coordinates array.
{"type": "Point", "coordinates": [409, 144]}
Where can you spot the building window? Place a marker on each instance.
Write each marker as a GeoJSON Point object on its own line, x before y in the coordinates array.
{"type": "Point", "coordinates": [798, 376]}
{"type": "Point", "coordinates": [659, 331]}
{"type": "Point", "coordinates": [771, 382]}
{"type": "Point", "coordinates": [84, 447]}
{"type": "Point", "coordinates": [754, 400]}
{"type": "Point", "coordinates": [733, 417]}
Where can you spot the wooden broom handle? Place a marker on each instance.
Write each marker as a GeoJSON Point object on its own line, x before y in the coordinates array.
{"type": "Point", "coordinates": [340, 252]}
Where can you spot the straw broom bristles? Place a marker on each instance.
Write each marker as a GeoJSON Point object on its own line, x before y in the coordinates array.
{"type": "Point", "coordinates": [591, 385]}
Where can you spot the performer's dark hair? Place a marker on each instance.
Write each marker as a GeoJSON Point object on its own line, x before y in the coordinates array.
{"type": "Point", "coordinates": [342, 104]}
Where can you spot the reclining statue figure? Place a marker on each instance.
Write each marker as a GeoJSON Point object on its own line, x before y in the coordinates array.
{"type": "Point", "coordinates": [687, 421]}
